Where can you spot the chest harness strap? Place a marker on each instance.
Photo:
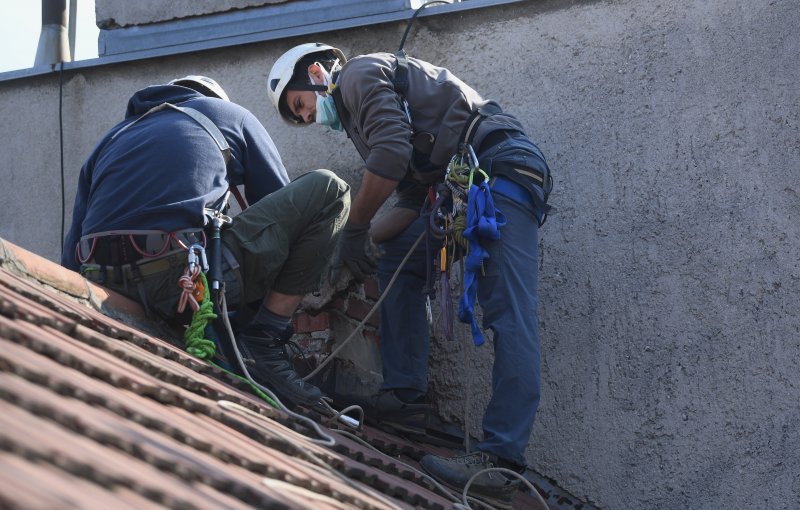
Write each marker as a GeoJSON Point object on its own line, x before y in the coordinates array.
{"type": "Point", "coordinates": [198, 117]}
{"type": "Point", "coordinates": [400, 81]}
{"type": "Point", "coordinates": [195, 286]}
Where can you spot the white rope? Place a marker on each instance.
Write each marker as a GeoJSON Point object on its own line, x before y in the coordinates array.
{"type": "Point", "coordinates": [291, 437]}
{"type": "Point", "coordinates": [442, 489]}
{"type": "Point", "coordinates": [505, 472]}
{"type": "Point", "coordinates": [360, 325]}
{"type": "Point", "coordinates": [327, 440]}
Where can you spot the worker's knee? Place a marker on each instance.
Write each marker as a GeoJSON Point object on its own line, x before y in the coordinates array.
{"type": "Point", "coordinates": [325, 184]}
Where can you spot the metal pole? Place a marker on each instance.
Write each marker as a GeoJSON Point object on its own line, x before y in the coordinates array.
{"type": "Point", "coordinates": [53, 45]}
{"type": "Point", "coordinates": [73, 22]}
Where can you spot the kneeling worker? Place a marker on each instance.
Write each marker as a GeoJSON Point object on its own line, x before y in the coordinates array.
{"type": "Point", "coordinates": [145, 192]}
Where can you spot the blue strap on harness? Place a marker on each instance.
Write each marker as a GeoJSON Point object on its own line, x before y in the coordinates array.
{"type": "Point", "coordinates": [483, 223]}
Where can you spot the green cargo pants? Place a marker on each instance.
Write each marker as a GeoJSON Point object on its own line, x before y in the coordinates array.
{"type": "Point", "coordinates": [286, 240]}
{"type": "Point", "coordinates": [283, 242]}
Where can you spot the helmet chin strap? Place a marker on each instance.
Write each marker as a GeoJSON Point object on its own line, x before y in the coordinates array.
{"type": "Point", "coordinates": [323, 87]}
{"type": "Point", "coordinates": [307, 86]}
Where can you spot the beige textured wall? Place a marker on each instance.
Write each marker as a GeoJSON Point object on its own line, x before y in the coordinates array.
{"type": "Point", "coordinates": [669, 276]}
{"type": "Point", "coordinates": [123, 13]}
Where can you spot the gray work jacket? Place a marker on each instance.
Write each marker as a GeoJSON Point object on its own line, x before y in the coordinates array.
{"type": "Point", "coordinates": [439, 103]}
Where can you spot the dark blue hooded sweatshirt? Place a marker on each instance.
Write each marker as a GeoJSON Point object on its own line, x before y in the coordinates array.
{"type": "Point", "coordinates": [161, 172]}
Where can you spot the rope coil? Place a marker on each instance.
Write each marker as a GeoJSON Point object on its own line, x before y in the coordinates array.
{"type": "Point", "coordinates": [194, 336]}
{"type": "Point", "coordinates": [188, 282]}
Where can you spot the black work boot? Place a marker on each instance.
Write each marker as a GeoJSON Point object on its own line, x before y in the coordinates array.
{"type": "Point", "coordinates": [391, 412]}
{"type": "Point", "coordinates": [494, 487]}
{"type": "Point", "coordinates": [265, 358]}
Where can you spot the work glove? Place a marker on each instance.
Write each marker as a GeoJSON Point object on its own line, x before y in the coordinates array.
{"type": "Point", "coordinates": [355, 251]}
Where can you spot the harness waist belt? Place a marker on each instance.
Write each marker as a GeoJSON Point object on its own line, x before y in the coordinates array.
{"type": "Point", "coordinates": [504, 168]}
{"type": "Point", "coordinates": [127, 247]}
{"type": "Point", "coordinates": [127, 272]}
{"type": "Point", "coordinates": [511, 190]}
{"type": "Point", "coordinates": [494, 138]}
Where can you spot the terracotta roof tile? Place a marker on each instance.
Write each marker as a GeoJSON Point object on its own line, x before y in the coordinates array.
{"type": "Point", "coordinates": [99, 413]}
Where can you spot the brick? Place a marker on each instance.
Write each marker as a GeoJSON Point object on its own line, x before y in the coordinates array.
{"type": "Point", "coordinates": [338, 304]}
{"type": "Point", "coordinates": [306, 323]}
{"type": "Point", "coordinates": [372, 289]}
{"type": "Point", "coordinates": [358, 309]}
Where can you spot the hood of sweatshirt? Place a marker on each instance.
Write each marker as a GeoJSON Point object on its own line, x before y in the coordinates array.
{"type": "Point", "coordinates": [155, 95]}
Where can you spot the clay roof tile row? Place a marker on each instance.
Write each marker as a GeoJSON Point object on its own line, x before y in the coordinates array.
{"type": "Point", "coordinates": [96, 413]}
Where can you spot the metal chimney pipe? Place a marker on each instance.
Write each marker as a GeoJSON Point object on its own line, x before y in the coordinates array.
{"type": "Point", "coordinates": [53, 44]}
{"type": "Point", "coordinates": [73, 22]}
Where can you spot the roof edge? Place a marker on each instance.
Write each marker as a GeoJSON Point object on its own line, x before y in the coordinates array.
{"type": "Point", "coordinates": [21, 262]}
{"type": "Point", "coordinates": [192, 35]}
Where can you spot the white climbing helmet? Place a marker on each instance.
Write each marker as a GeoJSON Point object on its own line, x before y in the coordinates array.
{"type": "Point", "coordinates": [283, 71]}
{"type": "Point", "coordinates": [202, 84]}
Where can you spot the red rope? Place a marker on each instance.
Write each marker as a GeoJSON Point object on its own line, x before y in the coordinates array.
{"type": "Point", "coordinates": [188, 282]}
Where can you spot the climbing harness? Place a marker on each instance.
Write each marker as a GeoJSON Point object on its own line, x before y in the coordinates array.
{"type": "Point", "coordinates": [134, 245]}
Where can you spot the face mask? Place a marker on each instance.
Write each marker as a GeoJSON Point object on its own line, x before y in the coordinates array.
{"type": "Point", "coordinates": [326, 108]}
{"type": "Point", "coordinates": [326, 112]}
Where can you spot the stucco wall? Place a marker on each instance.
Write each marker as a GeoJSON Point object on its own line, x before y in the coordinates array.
{"type": "Point", "coordinates": [669, 275]}
{"type": "Point", "coordinates": [122, 13]}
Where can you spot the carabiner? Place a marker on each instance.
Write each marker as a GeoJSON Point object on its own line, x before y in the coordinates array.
{"type": "Point", "coordinates": [473, 163]}
{"type": "Point", "coordinates": [438, 212]}
{"type": "Point", "coordinates": [199, 257]}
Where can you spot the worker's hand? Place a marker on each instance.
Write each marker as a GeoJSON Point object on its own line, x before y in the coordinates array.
{"type": "Point", "coordinates": [356, 251]}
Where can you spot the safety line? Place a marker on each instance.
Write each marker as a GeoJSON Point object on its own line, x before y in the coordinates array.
{"type": "Point", "coordinates": [327, 440]}
{"type": "Point", "coordinates": [374, 308]}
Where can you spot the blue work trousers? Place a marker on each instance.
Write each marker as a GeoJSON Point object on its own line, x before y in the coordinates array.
{"type": "Point", "coordinates": [507, 295]}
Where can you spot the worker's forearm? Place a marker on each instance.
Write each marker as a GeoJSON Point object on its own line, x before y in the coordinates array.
{"type": "Point", "coordinates": [392, 223]}
{"type": "Point", "coordinates": [371, 195]}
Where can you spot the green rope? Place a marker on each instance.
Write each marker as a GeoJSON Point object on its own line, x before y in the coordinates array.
{"type": "Point", "coordinates": [255, 388]}
{"type": "Point", "coordinates": [205, 349]}
{"type": "Point", "coordinates": [458, 173]}
{"type": "Point", "coordinates": [459, 225]}
{"type": "Point", "coordinates": [194, 336]}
